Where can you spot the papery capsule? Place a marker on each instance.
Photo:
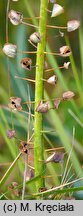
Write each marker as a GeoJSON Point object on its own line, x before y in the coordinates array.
{"type": "Point", "coordinates": [35, 37]}
{"type": "Point", "coordinates": [57, 10]}
{"type": "Point", "coordinates": [68, 95]}
{"type": "Point", "coordinates": [43, 107]}
{"type": "Point", "coordinates": [10, 50]}
{"type": "Point", "coordinates": [23, 147]}
{"type": "Point", "coordinates": [15, 103]}
{"type": "Point", "coordinates": [57, 102]}
{"type": "Point", "coordinates": [26, 63]}
{"type": "Point", "coordinates": [66, 65]}
{"type": "Point", "coordinates": [52, 80]}
{"type": "Point", "coordinates": [15, 17]}
{"type": "Point", "coordinates": [56, 157]}
{"type": "Point", "coordinates": [11, 134]}
{"type": "Point", "coordinates": [72, 25]}
{"type": "Point", "coordinates": [65, 51]}
{"type": "Point", "coordinates": [52, 1]}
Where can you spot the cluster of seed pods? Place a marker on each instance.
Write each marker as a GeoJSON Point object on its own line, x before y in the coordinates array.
{"type": "Point", "coordinates": [16, 18]}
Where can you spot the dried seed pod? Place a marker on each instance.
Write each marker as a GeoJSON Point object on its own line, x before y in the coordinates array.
{"type": "Point", "coordinates": [11, 134]}
{"type": "Point", "coordinates": [15, 103]}
{"type": "Point", "coordinates": [12, 187]}
{"type": "Point", "coordinates": [15, 17]}
{"type": "Point", "coordinates": [56, 103]}
{"type": "Point", "coordinates": [10, 50]}
{"type": "Point", "coordinates": [66, 65]}
{"type": "Point", "coordinates": [72, 25]}
{"type": "Point", "coordinates": [42, 107]}
{"type": "Point", "coordinates": [42, 189]}
{"type": "Point", "coordinates": [52, 80]}
{"type": "Point", "coordinates": [35, 37]}
{"type": "Point", "coordinates": [26, 63]}
{"type": "Point", "coordinates": [24, 147]}
{"type": "Point", "coordinates": [65, 51]}
{"type": "Point", "coordinates": [68, 95]}
{"type": "Point", "coordinates": [56, 157]}
{"type": "Point", "coordinates": [57, 10]}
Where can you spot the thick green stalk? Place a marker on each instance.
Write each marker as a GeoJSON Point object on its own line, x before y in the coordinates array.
{"type": "Point", "coordinates": [38, 139]}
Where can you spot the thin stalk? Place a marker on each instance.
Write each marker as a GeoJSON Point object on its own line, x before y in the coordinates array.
{"type": "Point", "coordinates": [38, 125]}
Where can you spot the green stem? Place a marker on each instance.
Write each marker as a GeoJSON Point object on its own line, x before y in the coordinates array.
{"type": "Point", "coordinates": [38, 125]}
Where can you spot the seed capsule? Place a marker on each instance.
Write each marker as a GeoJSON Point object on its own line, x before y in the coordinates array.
{"type": "Point", "coordinates": [72, 25]}
{"type": "Point", "coordinates": [26, 63]}
{"type": "Point", "coordinates": [57, 10]}
{"type": "Point", "coordinates": [10, 50]}
{"type": "Point", "coordinates": [23, 147]}
{"type": "Point", "coordinates": [56, 103]}
{"type": "Point", "coordinates": [56, 157]}
{"type": "Point", "coordinates": [66, 65]}
{"type": "Point", "coordinates": [15, 103]}
{"type": "Point", "coordinates": [52, 80]}
{"type": "Point", "coordinates": [35, 37]}
{"type": "Point", "coordinates": [42, 107]}
{"type": "Point", "coordinates": [65, 51]}
{"type": "Point", "coordinates": [15, 17]}
{"type": "Point", "coordinates": [11, 134]}
{"type": "Point", "coordinates": [68, 95]}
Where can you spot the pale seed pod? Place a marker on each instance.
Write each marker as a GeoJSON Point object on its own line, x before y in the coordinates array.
{"type": "Point", "coordinates": [26, 63]}
{"type": "Point", "coordinates": [56, 157]}
{"type": "Point", "coordinates": [24, 147]}
{"type": "Point", "coordinates": [68, 95]}
{"type": "Point", "coordinates": [10, 50]}
{"type": "Point", "coordinates": [52, 80]}
{"type": "Point", "coordinates": [57, 10]}
{"type": "Point", "coordinates": [11, 134]}
{"type": "Point", "coordinates": [66, 65]}
{"type": "Point", "coordinates": [35, 37]}
{"type": "Point", "coordinates": [15, 17]}
{"type": "Point", "coordinates": [15, 103]}
{"type": "Point", "coordinates": [15, 0]}
{"type": "Point", "coordinates": [72, 25]}
{"type": "Point", "coordinates": [65, 51]}
{"type": "Point", "coordinates": [42, 107]}
{"type": "Point", "coordinates": [57, 103]}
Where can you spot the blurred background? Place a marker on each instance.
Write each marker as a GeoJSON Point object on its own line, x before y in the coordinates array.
{"type": "Point", "coordinates": [71, 112]}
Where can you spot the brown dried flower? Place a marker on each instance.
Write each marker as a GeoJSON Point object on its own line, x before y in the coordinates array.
{"type": "Point", "coordinates": [42, 107]}
{"type": "Point", "coordinates": [35, 37]}
{"type": "Point", "coordinates": [56, 103]}
{"type": "Point", "coordinates": [56, 157]}
{"type": "Point", "coordinates": [65, 51]}
{"type": "Point", "coordinates": [15, 103]}
{"type": "Point", "coordinates": [26, 63]}
{"type": "Point", "coordinates": [52, 80]}
{"type": "Point", "coordinates": [23, 147]}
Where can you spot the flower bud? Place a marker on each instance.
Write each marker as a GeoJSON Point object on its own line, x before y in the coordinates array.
{"type": "Point", "coordinates": [42, 107]}
{"type": "Point", "coordinates": [72, 25]}
{"type": "Point", "coordinates": [57, 10]}
{"type": "Point", "coordinates": [15, 17]}
{"type": "Point", "coordinates": [15, 103]}
{"type": "Point", "coordinates": [56, 103]}
{"type": "Point", "coordinates": [10, 50]}
{"type": "Point", "coordinates": [35, 37]}
{"type": "Point", "coordinates": [65, 51]}
{"type": "Point", "coordinates": [11, 134]}
{"type": "Point", "coordinates": [68, 95]}
{"type": "Point", "coordinates": [66, 65]}
{"type": "Point", "coordinates": [26, 63]}
{"type": "Point", "coordinates": [52, 80]}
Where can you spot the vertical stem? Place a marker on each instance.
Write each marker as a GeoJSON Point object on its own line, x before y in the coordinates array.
{"type": "Point", "coordinates": [38, 138]}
